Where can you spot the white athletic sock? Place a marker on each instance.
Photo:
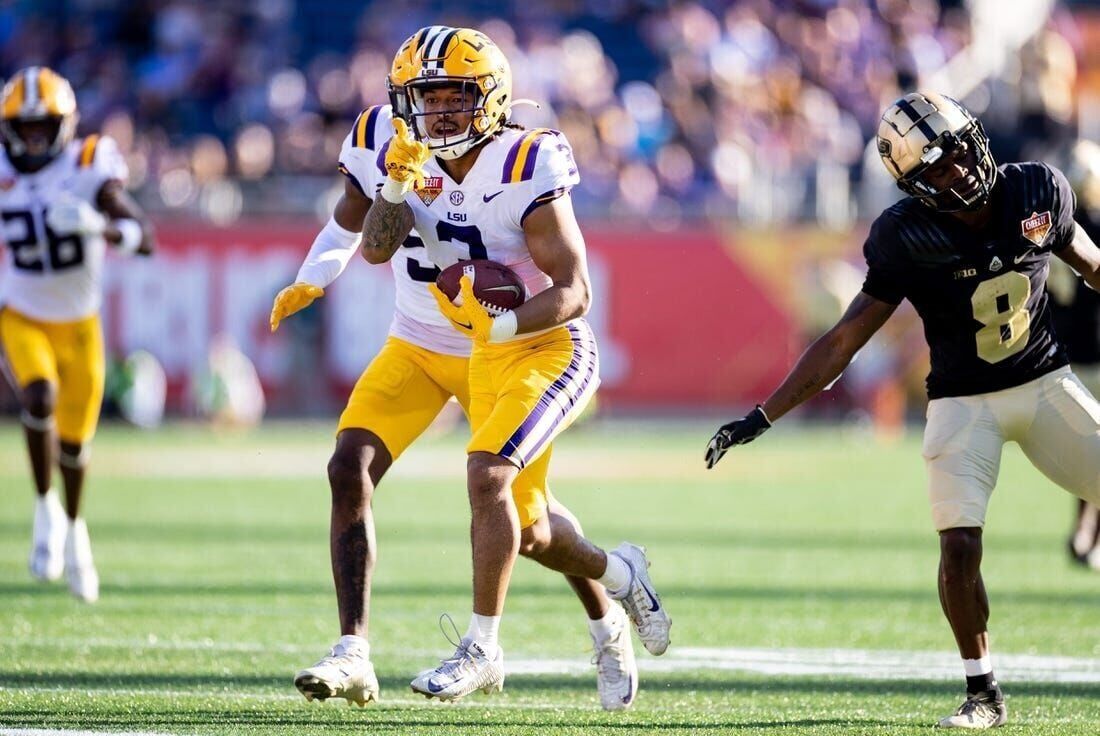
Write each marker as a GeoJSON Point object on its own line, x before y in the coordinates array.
{"type": "Point", "coordinates": [484, 630]}
{"type": "Point", "coordinates": [349, 642]}
{"type": "Point", "coordinates": [602, 628]}
{"type": "Point", "coordinates": [975, 667]}
{"type": "Point", "coordinates": [617, 575]}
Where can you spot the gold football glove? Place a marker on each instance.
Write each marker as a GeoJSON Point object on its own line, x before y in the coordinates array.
{"type": "Point", "coordinates": [471, 319]}
{"type": "Point", "coordinates": [405, 158]}
{"type": "Point", "coordinates": [293, 298]}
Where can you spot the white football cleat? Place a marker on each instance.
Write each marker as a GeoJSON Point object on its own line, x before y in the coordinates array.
{"type": "Point", "coordinates": [468, 670]}
{"type": "Point", "coordinates": [640, 600]}
{"type": "Point", "coordinates": [79, 566]}
{"type": "Point", "coordinates": [47, 560]}
{"type": "Point", "coordinates": [980, 710]}
{"type": "Point", "coordinates": [346, 672]}
{"type": "Point", "coordinates": [616, 671]}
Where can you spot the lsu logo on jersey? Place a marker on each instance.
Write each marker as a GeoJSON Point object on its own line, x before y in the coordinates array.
{"type": "Point", "coordinates": [433, 187]}
{"type": "Point", "coordinates": [1037, 227]}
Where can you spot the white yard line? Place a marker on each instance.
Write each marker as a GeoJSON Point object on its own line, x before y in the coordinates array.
{"type": "Point", "coordinates": [847, 663]}
{"type": "Point", "coordinates": [54, 732]}
{"type": "Point", "coordinates": [860, 664]}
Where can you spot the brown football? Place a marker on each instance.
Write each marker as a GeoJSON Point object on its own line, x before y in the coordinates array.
{"type": "Point", "coordinates": [496, 286]}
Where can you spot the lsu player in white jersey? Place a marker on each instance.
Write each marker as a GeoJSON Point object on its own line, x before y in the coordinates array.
{"type": "Point", "coordinates": [423, 364]}
{"type": "Point", "coordinates": [475, 186]}
{"type": "Point", "coordinates": [62, 204]}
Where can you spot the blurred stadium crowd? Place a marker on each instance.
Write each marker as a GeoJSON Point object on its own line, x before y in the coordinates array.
{"type": "Point", "coordinates": [757, 110]}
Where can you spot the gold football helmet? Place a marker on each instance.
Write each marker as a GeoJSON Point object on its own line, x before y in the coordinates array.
{"type": "Point", "coordinates": [37, 116]}
{"type": "Point", "coordinates": [404, 67]}
{"type": "Point", "coordinates": [439, 56]}
{"type": "Point", "coordinates": [922, 128]}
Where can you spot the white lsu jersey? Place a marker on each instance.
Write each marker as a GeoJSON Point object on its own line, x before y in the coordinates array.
{"type": "Point", "coordinates": [51, 276]}
{"type": "Point", "coordinates": [516, 172]}
{"type": "Point", "coordinates": [416, 317]}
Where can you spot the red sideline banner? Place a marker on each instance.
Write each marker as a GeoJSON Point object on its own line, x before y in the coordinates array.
{"type": "Point", "coordinates": [680, 324]}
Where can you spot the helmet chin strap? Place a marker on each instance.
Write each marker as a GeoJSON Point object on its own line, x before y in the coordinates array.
{"type": "Point", "coordinates": [455, 150]}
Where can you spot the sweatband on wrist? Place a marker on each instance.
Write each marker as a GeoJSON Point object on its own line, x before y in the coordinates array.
{"type": "Point", "coordinates": [131, 235]}
{"type": "Point", "coordinates": [393, 191]}
{"type": "Point", "coordinates": [329, 255]}
{"type": "Point", "coordinates": [504, 327]}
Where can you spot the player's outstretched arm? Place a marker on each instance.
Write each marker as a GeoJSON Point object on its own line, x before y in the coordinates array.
{"type": "Point", "coordinates": [329, 255]}
{"type": "Point", "coordinates": [557, 247]}
{"type": "Point", "coordinates": [128, 227]}
{"type": "Point", "coordinates": [390, 219]}
{"type": "Point", "coordinates": [1083, 256]}
{"type": "Point", "coordinates": [819, 366]}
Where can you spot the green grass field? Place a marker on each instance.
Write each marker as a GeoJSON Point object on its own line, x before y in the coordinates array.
{"type": "Point", "coordinates": [213, 553]}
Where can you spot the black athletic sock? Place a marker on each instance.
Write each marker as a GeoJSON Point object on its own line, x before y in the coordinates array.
{"type": "Point", "coordinates": [982, 683]}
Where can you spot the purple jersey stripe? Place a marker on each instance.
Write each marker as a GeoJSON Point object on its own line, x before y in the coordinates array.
{"type": "Point", "coordinates": [372, 118]}
{"type": "Point", "coordinates": [583, 359]}
{"type": "Point", "coordinates": [544, 198]}
{"type": "Point", "coordinates": [351, 177]}
{"type": "Point", "coordinates": [381, 160]}
{"type": "Point", "coordinates": [510, 161]}
{"type": "Point", "coordinates": [532, 154]}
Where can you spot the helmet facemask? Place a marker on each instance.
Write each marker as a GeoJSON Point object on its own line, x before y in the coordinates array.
{"type": "Point", "coordinates": [432, 121]}
{"type": "Point", "coordinates": [945, 148]}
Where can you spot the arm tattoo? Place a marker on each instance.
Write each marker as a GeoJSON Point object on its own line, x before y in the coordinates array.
{"type": "Point", "coordinates": [385, 228]}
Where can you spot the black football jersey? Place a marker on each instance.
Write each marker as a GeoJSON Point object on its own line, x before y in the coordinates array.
{"type": "Point", "coordinates": [980, 293]}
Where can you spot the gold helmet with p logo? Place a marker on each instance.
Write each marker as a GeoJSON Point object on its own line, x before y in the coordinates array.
{"type": "Point", "coordinates": [924, 128]}
{"type": "Point", "coordinates": [37, 116]}
{"type": "Point", "coordinates": [441, 57]}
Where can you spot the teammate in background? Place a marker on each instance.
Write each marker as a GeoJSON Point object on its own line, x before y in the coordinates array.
{"type": "Point", "coordinates": [1076, 315]}
{"type": "Point", "coordinates": [969, 248]}
{"type": "Point", "coordinates": [62, 203]}
{"type": "Point", "coordinates": [422, 365]}
{"type": "Point", "coordinates": [476, 187]}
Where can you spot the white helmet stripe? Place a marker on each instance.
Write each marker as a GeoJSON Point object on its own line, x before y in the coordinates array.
{"type": "Point", "coordinates": [440, 47]}
{"type": "Point", "coordinates": [30, 90]}
{"type": "Point", "coordinates": [428, 34]}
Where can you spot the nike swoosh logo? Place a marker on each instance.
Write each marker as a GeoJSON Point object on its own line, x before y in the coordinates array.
{"type": "Point", "coordinates": [506, 287]}
{"type": "Point", "coordinates": [464, 324]}
{"type": "Point", "coordinates": [1019, 258]}
{"type": "Point", "coordinates": [652, 599]}
{"type": "Point", "coordinates": [436, 688]}
{"type": "Point", "coordinates": [489, 197]}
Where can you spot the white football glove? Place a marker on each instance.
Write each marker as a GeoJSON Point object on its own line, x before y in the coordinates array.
{"type": "Point", "coordinates": [70, 215]}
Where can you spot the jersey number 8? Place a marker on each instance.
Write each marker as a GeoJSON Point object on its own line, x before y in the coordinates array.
{"type": "Point", "coordinates": [1000, 304]}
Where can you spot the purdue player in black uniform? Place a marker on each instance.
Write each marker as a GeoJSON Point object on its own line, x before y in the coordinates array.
{"type": "Point", "coordinates": [969, 248]}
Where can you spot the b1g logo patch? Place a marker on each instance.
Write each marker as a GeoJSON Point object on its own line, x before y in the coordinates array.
{"type": "Point", "coordinates": [433, 187]}
{"type": "Point", "coordinates": [1037, 227]}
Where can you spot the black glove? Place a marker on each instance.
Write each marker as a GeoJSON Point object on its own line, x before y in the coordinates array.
{"type": "Point", "coordinates": [741, 432]}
